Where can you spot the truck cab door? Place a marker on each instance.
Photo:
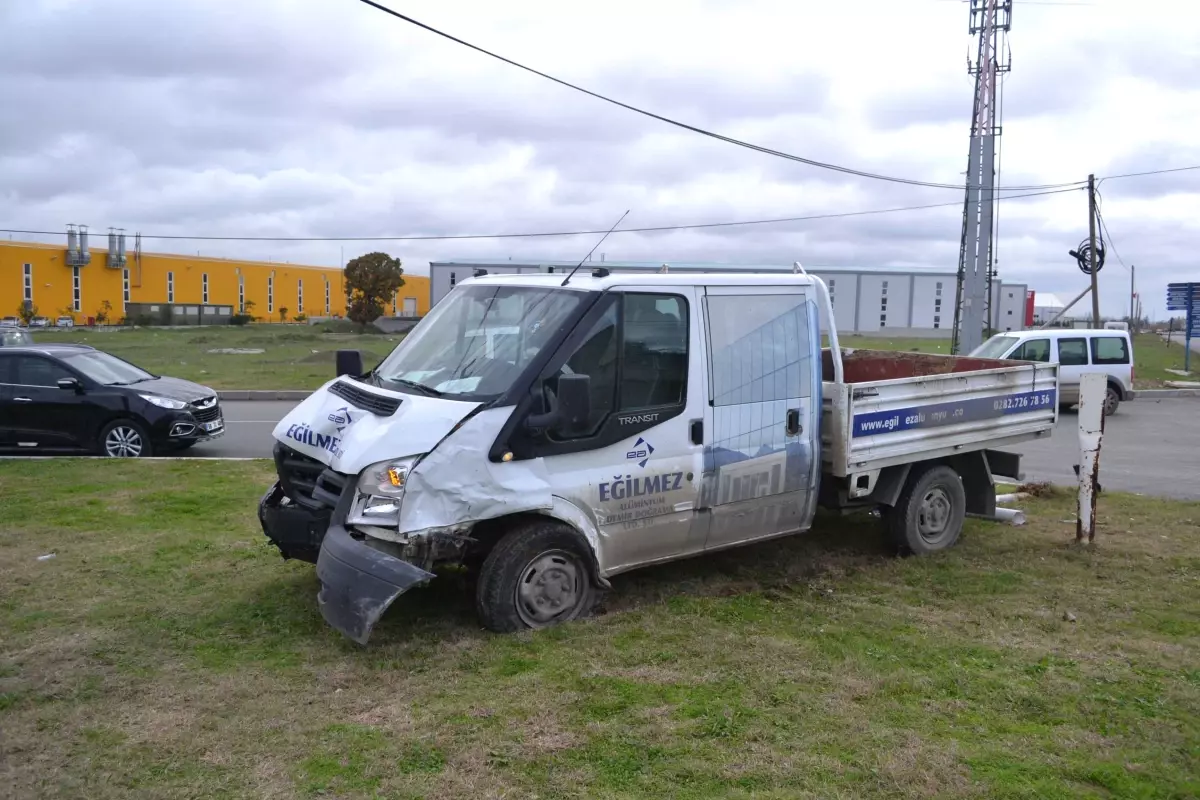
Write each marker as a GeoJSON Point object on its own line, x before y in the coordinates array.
{"type": "Point", "coordinates": [762, 457]}
{"type": "Point", "coordinates": [634, 467]}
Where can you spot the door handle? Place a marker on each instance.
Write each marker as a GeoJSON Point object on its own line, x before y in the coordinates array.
{"type": "Point", "coordinates": [696, 430]}
{"type": "Point", "coordinates": [794, 428]}
{"type": "Point", "coordinates": [22, 400]}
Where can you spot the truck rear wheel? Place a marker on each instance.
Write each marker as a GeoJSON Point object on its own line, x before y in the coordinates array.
{"type": "Point", "coordinates": [538, 575]}
{"type": "Point", "coordinates": [928, 516]}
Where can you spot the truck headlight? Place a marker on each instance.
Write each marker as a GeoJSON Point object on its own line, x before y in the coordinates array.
{"type": "Point", "coordinates": [379, 493]}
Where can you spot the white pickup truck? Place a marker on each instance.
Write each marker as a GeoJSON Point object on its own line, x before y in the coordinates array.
{"type": "Point", "coordinates": [641, 419]}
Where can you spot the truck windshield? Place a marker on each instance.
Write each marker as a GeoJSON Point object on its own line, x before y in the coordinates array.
{"type": "Point", "coordinates": [994, 347]}
{"type": "Point", "coordinates": [477, 340]}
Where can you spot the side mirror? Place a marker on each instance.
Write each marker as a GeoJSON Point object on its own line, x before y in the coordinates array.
{"type": "Point", "coordinates": [69, 385]}
{"type": "Point", "coordinates": [349, 362]}
{"type": "Point", "coordinates": [569, 409]}
{"type": "Point", "coordinates": [574, 401]}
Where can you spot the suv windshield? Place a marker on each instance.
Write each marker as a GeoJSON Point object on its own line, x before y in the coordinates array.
{"type": "Point", "coordinates": [106, 369]}
{"type": "Point", "coordinates": [994, 347]}
{"type": "Point", "coordinates": [477, 340]}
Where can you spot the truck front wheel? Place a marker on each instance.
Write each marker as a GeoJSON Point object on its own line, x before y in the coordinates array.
{"type": "Point", "coordinates": [538, 575]}
{"type": "Point", "coordinates": [928, 516]}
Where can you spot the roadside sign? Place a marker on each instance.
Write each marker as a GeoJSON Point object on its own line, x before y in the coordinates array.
{"type": "Point", "coordinates": [1183, 296]}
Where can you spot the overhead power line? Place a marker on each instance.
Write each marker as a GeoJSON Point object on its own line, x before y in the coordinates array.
{"type": "Point", "coordinates": [1108, 236]}
{"type": "Point", "coordinates": [694, 129]}
{"type": "Point", "coordinates": [549, 234]}
{"type": "Point", "coordinates": [1151, 172]}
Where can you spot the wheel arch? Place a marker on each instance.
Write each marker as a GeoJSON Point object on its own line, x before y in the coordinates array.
{"type": "Point", "coordinates": [973, 468]}
{"type": "Point", "coordinates": [487, 533]}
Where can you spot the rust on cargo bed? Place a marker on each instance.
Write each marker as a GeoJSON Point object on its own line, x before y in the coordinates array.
{"type": "Point", "coordinates": [862, 366]}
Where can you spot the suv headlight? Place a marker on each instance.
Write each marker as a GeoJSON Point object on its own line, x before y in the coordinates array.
{"type": "Point", "coordinates": [379, 492]}
{"type": "Point", "coordinates": [164, 402]}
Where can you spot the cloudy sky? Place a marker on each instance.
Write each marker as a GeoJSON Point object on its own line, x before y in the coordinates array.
{"type": "Point", "coordinates": [328, 118]}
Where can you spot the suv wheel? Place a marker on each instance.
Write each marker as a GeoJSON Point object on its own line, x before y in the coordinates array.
{"type": "Point", "coordinates": [124, 439]}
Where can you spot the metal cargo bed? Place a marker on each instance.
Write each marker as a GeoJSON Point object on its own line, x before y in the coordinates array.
{"type": "Point", "coordinates": [881, 408]}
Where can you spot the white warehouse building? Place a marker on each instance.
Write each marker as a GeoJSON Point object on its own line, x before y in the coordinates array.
{"type": "Point", "coordinates": [903, 301]}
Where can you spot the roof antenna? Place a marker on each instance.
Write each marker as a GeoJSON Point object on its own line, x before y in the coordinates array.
{"type": "Point", "coordinates": [589, 255]}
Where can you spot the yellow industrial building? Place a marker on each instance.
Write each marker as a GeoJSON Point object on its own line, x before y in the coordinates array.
{"type": "Point", "coordinates": [75, 280]}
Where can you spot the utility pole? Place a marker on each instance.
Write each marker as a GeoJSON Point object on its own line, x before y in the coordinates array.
{"type": "Point", "coordinates": [1092, 250]}
{"type": "Point", "coordinates": [990, 22]}
{"type": "Point", "coordinates": [1132, 299]}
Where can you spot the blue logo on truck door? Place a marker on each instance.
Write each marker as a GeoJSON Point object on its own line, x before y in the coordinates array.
{"type": "Point", "coordinates": [641, 452]}
{"type": "Point", "coordinates": [936, 415]}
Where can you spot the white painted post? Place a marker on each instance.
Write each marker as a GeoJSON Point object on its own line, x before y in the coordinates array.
{"type": "Point", "coordinates": [1092, 388]}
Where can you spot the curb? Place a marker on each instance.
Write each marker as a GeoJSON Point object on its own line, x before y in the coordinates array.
{"type": "Point", "coordinates": [242, 395]}
{"type": "Point", "coordinates": [1158, 394]}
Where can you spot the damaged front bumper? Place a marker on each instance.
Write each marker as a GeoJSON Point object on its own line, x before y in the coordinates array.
{"type": "Point", "coordinates": [359, 579]}
{"type": "Point", "coordinates": [359, 582]}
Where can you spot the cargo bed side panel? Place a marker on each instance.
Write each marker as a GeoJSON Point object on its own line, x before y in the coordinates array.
{"type": "Point", "coordinates": [871, 425]}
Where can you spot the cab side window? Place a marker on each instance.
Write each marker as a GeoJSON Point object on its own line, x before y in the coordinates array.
{"type": "Point", "coordinates": [1033, 350]}
{"type": "Point", "coordinates": [636, 355]}
{"type": "Point", "coordinates": [1109, 350]}
{"type": "Point", "coordinates": [1072, 352]}
{"type": "Point", "coordinates": [654, 353]}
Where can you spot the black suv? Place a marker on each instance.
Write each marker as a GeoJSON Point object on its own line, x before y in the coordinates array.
{"type": "Point", "coordinates": [72, 398]}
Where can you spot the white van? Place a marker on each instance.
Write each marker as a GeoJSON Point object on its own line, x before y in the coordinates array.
{"type": "Point", "coordinates": [1076, 351]}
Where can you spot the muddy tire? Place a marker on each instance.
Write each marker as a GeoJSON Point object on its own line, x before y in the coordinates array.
{"type": "Point", "coordinates": [929, 514]}
{"type": "Point", "coordinates": [124, 438]}
{"type": "Point", "coordinates": [1112, 399]}
{"type": "Point", "coordinates": [537, 575]}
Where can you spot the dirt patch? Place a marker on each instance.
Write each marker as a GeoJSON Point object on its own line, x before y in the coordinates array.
{"type": "Point", "coordinates": [1043, 489]}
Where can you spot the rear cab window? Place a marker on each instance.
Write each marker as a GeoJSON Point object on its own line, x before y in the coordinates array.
{"type": "Point", "coordinates": [1110, 350]}
{"type": "Point", "coordinates": [1072, 352]}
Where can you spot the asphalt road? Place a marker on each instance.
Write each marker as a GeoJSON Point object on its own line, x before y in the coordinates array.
{"type": "Point", "coordinates": [1150, 446]}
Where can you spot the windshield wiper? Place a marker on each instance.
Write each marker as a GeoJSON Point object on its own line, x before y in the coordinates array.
{"type": "Point", "coordinates": [429, 391]}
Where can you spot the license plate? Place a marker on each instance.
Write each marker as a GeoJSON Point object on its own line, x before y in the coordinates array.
{"type": "Point", "coordinates": [209, 427]}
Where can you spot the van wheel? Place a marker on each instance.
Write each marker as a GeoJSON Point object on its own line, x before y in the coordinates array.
{"type": "Point", "coordinates": [1112, 399]}
{"type": "Point", "coordinates": [929, 513]}
{"type": "Point", "coordinates": [124, 439]}
{"type": "Point", "coordinates": [538, 575]}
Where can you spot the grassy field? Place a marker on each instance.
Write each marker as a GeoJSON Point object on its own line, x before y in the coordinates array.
{"type": "Point", "coordinates": [293, 357]}
{"type": "Point", "coordinates": [166, 651]}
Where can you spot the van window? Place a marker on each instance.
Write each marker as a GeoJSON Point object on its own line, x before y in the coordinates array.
{"type": "Point", "coordinates": [994, 347]}
{"type": "Point", "coordinates": [636, 355]}
{"type": "Point", "coordinates": [1109, 350]}
{"type": "Point", "coordinates": [1033, 350]}
{"type": "Point", "coordinates": [1072, 352]}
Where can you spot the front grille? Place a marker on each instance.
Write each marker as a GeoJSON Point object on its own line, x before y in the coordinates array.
{"type": "Point", "coordinates": [367, 401]}
{"type": "Point", "coordinates": [306, 481]}
{"type": "Point", "coordinates": [206, 414]}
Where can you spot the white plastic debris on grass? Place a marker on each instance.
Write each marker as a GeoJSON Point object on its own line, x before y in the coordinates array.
{"type": "Point", "coordinates": [46, 557]}
{"type": "Point", "coordinates": [1010, 515]}
{"type": "Point", "coordinates": [238, 351]}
